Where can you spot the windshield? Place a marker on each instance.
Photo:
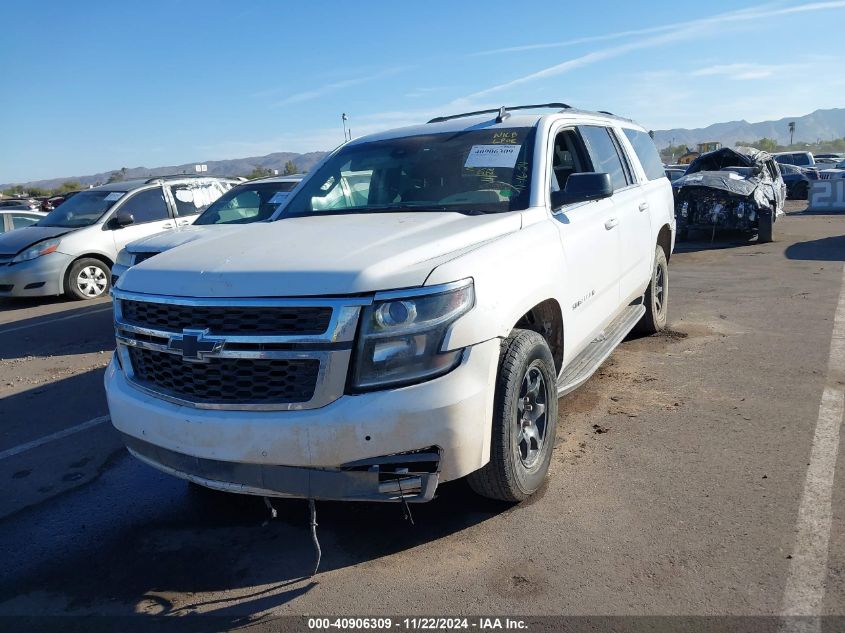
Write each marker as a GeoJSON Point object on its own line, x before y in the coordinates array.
{"type": "Point", "coordinates": [83, 209]}
{"type": "Point", "coordinates": [250, 202]}
{"type": "Point", "coordinates": [479, 171]}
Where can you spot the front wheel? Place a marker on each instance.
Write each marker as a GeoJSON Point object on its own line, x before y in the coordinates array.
{"type": "Point", "coordinates": [656, 299]}
{"type": "Point", "coordinates": [88, 278]}
{"type": "Point", "coordinates": [524, 420]}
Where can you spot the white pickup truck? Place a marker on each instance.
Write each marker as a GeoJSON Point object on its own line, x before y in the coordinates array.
{"type": "Point", "coordinates": [411, 317]}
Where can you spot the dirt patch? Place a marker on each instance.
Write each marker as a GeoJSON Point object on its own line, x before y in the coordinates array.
{"type": "Point", "coordinates": [582, 400]}
{"type": "Point", "coordinates": [672, 334]}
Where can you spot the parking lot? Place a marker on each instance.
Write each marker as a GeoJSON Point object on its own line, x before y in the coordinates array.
{"type": "Point", "coordinates": [675, 485]}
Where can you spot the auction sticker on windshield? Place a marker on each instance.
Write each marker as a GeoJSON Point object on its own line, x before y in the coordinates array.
{"type": "Point", "coordinates": [493, 156]}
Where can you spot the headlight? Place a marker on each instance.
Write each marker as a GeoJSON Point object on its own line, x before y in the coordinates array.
{"type": "Point", "coordinates": [37, 250]}
{"type": "Point", "coordinates": [401, 336]}
{"type": "Point", "coordinates": [124, 258]}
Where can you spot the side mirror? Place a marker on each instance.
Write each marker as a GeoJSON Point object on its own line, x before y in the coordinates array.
{"type": "Point", "coordinates": [583, 187]}
{"type": "Point", "coordinates": [121, 219]}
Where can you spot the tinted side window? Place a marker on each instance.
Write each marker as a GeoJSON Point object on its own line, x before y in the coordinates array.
{"type": "Point", "coordinates": [785, 159]}
{"type": "Point", "coordinates": [646, 151]}
{"type": "Point", "coordinates": [147, 206]}
{"type": "Point", "coordinates": [801, 159]}
{"type": "Point", "coordinates": [603, 153]}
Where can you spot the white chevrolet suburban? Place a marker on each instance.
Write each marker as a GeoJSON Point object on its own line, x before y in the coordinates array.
{"type": "Point", "coordinates": [413, 315]}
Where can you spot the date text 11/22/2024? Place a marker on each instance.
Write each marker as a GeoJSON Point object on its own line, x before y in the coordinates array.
{"type": "Point", "coordinates": [417, 624]}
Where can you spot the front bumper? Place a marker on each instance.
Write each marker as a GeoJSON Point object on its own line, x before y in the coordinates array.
{"type": "Point", "coordinates": [37, 277]}
{"type": "Point", "coordinates": [317, 453]}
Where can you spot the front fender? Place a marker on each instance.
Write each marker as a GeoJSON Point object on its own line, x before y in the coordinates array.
{"type": "Point", "coordinates": [511, 275]}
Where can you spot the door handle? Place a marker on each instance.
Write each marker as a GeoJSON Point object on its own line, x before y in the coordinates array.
{"type": "Point", "coordinates": [609, 224]}
{"type": "Point", "coordinates": [643, 206]}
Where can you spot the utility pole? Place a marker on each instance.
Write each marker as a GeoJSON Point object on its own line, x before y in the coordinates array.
{"type": "Point", "coordinates": [791, 131]}
{"type": "Point", "coordinates": [344, 119]}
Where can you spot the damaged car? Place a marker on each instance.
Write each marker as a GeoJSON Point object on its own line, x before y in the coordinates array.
{"type": "Point", "coordinates": [739, 189]}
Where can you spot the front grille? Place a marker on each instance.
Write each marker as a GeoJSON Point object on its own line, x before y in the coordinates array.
{"type": "Point", "coordinates": [227, 380]}
{"type": "Point", "coordinates": [277, 321]}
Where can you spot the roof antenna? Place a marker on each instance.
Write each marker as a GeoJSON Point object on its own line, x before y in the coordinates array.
{"type": "Point", "coordinates": [503, 114]}
{"type": "Point", "coordinates": [347, 134]}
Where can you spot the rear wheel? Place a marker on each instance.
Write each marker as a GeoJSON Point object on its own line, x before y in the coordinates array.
{"type": "Point", "coordinates": [524, 420]}
{"type": "Point", "coordinates": [88, 278]}
{"type": "Point", "coordinates": [656, 299]}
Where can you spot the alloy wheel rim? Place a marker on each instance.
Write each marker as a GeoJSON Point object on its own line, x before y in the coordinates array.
{"type": "Point", "coordinates": [92, 281]}
{"type": "Point", "coordinates": [659, 288]}
{"type": "Point", "coordinates": [531, 418]}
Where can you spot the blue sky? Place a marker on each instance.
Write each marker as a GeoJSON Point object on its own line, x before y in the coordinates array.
{"type": "Point", "coordinates": [99, 85]}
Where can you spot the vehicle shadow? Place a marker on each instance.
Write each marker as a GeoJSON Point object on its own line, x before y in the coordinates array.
{"type": "Point", "coordinates": [137, 541]}
{"type": "Point", "coordinates": [82, 330]}
{"type": "Point", "coordinates": [826, 249]}
{"type": "Point", "coordinates": [811, 211]}
{"type": "Point", "coordinates": [699, 241]}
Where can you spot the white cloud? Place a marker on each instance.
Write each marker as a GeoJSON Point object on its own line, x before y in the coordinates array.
{"type": "Point", "coordinates": [738, 71]}
{"type": "Point", "coordinates": [336, 86]}
{"type": "Point", "coordinates": [684, 31]}
{"type": "Point", "coordinates": [752, 13]}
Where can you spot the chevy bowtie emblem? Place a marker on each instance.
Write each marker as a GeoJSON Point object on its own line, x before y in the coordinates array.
{"type": "Point", "coordinates": [195, 345]}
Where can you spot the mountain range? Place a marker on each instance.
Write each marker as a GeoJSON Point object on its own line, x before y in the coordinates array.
{"type": "Point", "coordinates": [821, 124]}
{"type": "Point", "coordinates": [228, 167]}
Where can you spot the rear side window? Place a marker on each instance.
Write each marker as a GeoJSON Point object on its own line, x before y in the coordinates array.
{"type": "Point", "coordinates": [604, 154]}
{"type": "Point", "coordinates": [147, 206]}
{"type": "Point", "coordinates": [646, 151]}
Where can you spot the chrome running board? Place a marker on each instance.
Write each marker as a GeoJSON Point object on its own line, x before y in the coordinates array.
{"type": "Point", "coordinates": [590, 359]}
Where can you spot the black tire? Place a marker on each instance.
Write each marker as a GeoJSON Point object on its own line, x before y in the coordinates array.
{"type": "Point", "coordinates": [96, 272]}
{"type": "Point", "coordinates": [802, 191]}
{"type": "Point", "coordinates": [656, 299]}
{"type": "Point", "coordinates": [521, 449]}
{"type": "Point", "coordinates": [765, 228]}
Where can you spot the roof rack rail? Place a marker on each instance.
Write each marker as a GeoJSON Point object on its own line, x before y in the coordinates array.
{"type": "Point", "coordinates": [182, 176]}
{"type": "Point", "coordinates": [605, 112]}
{"type": "Point", "coordinates": [501, 112]}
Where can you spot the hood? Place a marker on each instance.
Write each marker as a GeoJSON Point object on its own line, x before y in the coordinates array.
{"type": "Point", "coordinates": [14, 242]}
{"type": "Point", "coordinates": [164, 241]}
{"type": "Point", "coordinates": [317, 255]}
